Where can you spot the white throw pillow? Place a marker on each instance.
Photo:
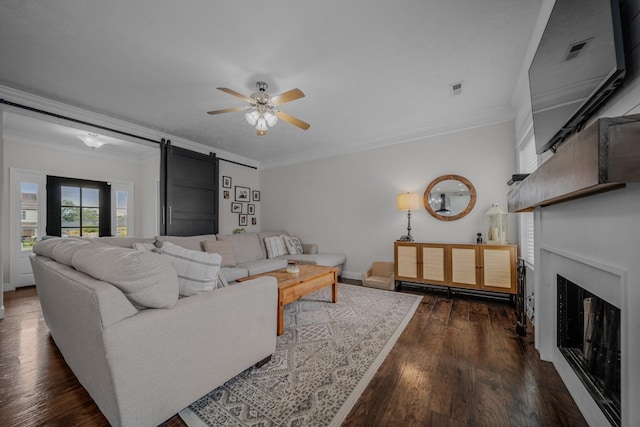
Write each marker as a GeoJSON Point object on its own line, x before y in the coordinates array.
{"type": "Point", "coordinates": [294, 246]}
{"type": "Point", "coordinates": [275, 246]}
{"type": "Point", "coordinates": [197, 271]}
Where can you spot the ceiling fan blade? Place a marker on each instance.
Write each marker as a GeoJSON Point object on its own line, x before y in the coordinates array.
{"type": "Point", "coordinates": [294, 121]}
{"type": "Point", "coordinates": [236, 94]}
{"type": "Point", "coordinates": [227, 110]}
{"type": "Point", "coordinates": [288, 96]}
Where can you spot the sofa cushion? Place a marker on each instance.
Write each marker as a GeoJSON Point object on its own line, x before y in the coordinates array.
{"type": "Point", "coordinates": [233, 273]}
{"type": "Point", "coordinates": [223, 248]}
{"type": "Point", "coordinates": [145, 278]}
{"type": "Point", "coordinates": [188, 242]}
{"type": "Point", "coordinates": [60, 249]}
{"type": "Point", "coordinates": [275, 246]}
{"type": "Point", "coordinates": [264, 265]}
{"type": "Point", "coordinates": [327, 259]}
{"type": "Point", "coordinates": [246, 246]}
{"type": "Point", "coordinates": [293, 244]}
{"type": "Point", "coordinates": [197, 270]}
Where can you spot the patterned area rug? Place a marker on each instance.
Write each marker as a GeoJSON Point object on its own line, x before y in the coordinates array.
{"type": "Point", "coordinates": [323, 361]}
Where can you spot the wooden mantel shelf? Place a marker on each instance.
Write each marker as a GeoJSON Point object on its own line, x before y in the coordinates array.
{"type": "Point", "coordinates": [602, 157]}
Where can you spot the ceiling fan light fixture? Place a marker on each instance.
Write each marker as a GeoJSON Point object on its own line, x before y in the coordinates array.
{"type": "Point", "coordinates": [261, 124]}
{"type": "Point", "coordinates": [261, 112]}
{"type": "Point", "coordinates": [252, 116]}
{"type": "Point", "coordinates": [271, 118]}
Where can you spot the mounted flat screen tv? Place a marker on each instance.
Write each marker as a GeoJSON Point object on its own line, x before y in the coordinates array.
{"type": "Point", "coordinates": [578, 64]}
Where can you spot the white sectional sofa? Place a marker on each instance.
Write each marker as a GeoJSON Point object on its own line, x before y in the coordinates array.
{"type": "Point", "coordinates": [250, 255]}
{"type": "Point", "coordinates": [142, 353]}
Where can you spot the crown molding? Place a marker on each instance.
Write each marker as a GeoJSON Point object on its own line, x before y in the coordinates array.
{"type": "Point", "coordinates": [65, 110]}
{"type": "Point", "coordinates": [427, 130]}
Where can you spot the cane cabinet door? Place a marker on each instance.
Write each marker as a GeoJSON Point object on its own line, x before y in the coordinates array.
{"type": "Point", "coordinates": [465, 266]}
{"type": "Point", "coordinates": [499, 268]}
{"type": "Point", "coordinates": [406, 261]}
{"type": "Point", "coordinates": [434, 263]}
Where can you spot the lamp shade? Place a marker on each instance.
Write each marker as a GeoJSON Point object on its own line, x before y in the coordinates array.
{"type": "Point", "coordinates": [408, 201]}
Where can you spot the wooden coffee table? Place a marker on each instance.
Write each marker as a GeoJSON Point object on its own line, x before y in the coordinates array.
{"type": "Point", "coordinates": [293, 286]}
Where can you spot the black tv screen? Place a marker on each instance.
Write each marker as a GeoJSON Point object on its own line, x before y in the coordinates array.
{"type": "Point", "coordinates": [578, 64]}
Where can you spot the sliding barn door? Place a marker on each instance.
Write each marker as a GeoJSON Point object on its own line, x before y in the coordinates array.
{"type": "Point", "coordinates": [189, 192]}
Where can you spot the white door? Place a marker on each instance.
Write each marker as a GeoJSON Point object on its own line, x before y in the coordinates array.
{"type": "Point", "coordinates": [27, 217]}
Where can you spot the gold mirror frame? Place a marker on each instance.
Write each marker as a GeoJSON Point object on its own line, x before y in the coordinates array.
{"type": "Point", "coordinates": [465, 181]}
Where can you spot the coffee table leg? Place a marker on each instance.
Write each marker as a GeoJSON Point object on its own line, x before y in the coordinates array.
{"type": "Point", "coordinates": [335, 287]}
{"type": "Point", "coordinates": [280, 327]}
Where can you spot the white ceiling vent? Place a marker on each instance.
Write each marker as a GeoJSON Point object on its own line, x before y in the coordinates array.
{"type": "Point", "coordinates": [576, 49]}
{"type": "Point", "coordinates": [455, 88]}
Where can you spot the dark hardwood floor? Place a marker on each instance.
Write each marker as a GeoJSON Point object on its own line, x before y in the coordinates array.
{"type": "Point", "coordinates": [458, 363]}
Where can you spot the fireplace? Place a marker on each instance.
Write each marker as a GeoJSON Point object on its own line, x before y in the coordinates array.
{"type": "Point", "coordinates": [589, 339]}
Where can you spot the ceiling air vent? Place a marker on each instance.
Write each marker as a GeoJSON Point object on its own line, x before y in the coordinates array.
{"type": "Point", "coordinates": [456, 88]}
{"type": "Point", "coordinates": [576, 49]}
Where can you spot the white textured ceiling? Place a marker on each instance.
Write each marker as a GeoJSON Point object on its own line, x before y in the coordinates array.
{"type": "Point", "coordinates": [374, 72]}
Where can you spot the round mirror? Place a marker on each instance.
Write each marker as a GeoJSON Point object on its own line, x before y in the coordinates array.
{"type": "Point", "coordinates": [449, 197]}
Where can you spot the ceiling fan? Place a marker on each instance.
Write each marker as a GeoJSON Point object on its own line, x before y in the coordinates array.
{"type": "Point", "coordinates": [261, 111]}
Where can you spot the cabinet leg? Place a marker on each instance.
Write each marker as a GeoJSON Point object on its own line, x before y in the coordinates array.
{"type": "Point", "coordinates": [448, 292]}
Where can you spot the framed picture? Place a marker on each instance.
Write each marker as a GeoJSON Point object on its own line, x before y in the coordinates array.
{"type": "Point", "coordinates": [254, 221]}
{"type": "Point", "coordinates": [226, 182]}
{"type": "Point", "coordinates": [251, 209]}
{"type": "Point", "coordinates": [242, 194]}
{"type": "Point", "coordinates": [226, 194]}
{"type": "Point", "coordinates": [242, 220]}
{"type": "Point", "coordinates": [255, 196]}
{"type": "Point", "coordinates": [236, 207]}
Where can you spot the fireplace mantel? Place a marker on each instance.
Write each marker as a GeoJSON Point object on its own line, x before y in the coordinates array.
{"type": "Point", "coordinates": [602, 157]}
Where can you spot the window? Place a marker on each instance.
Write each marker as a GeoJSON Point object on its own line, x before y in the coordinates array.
{"type": "Point", "coordinates": [28, 215]}
{"type": "Point", "coordinates": [77, 207]}
{"type": "Point", "coordinates": [527, 163]}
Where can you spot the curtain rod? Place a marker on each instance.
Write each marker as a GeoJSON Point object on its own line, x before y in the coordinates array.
{"type": "Point", "coordinates": [82, 122]}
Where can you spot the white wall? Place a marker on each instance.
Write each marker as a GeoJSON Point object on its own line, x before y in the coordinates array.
{"type": "Point", "coordinates": [2, 215]}
{"type": "Point", "coordinates": [76, 165]}
{"type": "Point", "coordinates": [348, 204]}
{"type": "Point", "coordinates": [240, 176]}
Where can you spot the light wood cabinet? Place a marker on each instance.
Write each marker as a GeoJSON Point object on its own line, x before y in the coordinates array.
{"type": "Point", "coordinates": [490, 268]}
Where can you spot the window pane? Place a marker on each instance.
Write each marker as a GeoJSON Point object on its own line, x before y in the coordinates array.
{"type": "Point", "coordinates": [70, 232]}
{"type": "Point", "coordinates": [90, 217]}
{"type": "Point", "coordinates": [70, 196]}
{"type": "Point", "coordinates": [90, 232]}
{"type": "Point", "coordinates": [121, 199]}
{"type": "Point", "coordinates": [121, 213]}
{"type": "Point", "coordinates": [90, 197]}
{"type": "Point", "coordinates": [28, 215]}
{"type": "Point", "coordinates": [69, 217]}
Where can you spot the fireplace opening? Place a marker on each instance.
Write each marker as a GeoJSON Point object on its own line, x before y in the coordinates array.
{"type": "Point", "coordinates": [589, 339]}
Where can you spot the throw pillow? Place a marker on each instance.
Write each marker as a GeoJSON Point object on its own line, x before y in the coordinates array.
{"type": "Point", "coordinates": [275, 246]}
{"type": "Point", "coordinates": [145, 278]}
{"type": "Point", "coordinates": [197, 271]}
{"type": "Point", "coordinates": [222, 247]}
{"type": "Point", "coordinates": [294, 246]}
